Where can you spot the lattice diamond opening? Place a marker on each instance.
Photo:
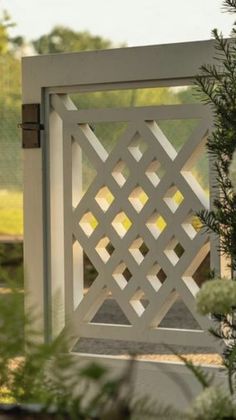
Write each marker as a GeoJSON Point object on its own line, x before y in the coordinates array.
{"type": "Point", "coordinates": [121, 224]}
{"type": "Point", "coordinates": [137, 147]}
{"type": "Point", "coordinates": [138, 198]}
{"type": "Point", "coordinates": [201, 274]}
{"type": "Point", "coordinates": [198, 164]}
{"type": "Point", "coordinates": [139, 250]}
{"type": "Point", "coordinates": [173, 198]}
{"type": "Point", "coordinates": [121, 173]}
{"type": "Point", "coordinates": [156, 276]}
{"type": "Point", "coordinates": [155, 172]}
{"type": "Point", "coordinates": [178, 131]}
{"type": "Point", "coordinates": [192, 225]}
{"type": "Point", "coordinates": [104, 198]}
{"type": "Point", "coordinates": [108, 133]}
{"type": "Point", "coordinates": [110, 306]}
{"type": "Point", "coordinates": [174, 251]}
{"type": "Point", "coordinates": [186, 321]}
{"type": "Point", "coordinates": [83, 173]}
{"type": "Point", "coordinates": [105, 249]}
{"type": "Point", "coordinates": [88, 223]}
{"type": "Point", "coordinates": [139, 302]}
{"type": "Point", "coordinates": [156, 224]}
{"type": "Point", "coordinates": [90, 272]}
{"type": "Point", "coordinates": [122, 275]}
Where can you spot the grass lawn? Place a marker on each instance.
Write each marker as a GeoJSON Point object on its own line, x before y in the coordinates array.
{"type": "Point", "coordinates": [11, 212]}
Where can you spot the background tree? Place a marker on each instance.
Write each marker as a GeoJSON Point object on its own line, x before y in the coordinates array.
{"type": "Point", "coordinates": [62, 39]}
{"type": "Point", "coordinates": [5, 24]}
{"type": "Point", "coordinates": [10, 100]}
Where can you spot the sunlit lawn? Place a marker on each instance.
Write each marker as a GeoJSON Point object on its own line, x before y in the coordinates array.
{"type": "Point", "coordinates": [11, 213]}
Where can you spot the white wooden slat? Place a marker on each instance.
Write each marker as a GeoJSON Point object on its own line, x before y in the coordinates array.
{"type": "Point", "coordinates": [57, 295]}
{"type": "Point", "coordinates": [159, 335]}
{"type": "Point", "coordinates": [67, 223]}
{"type": "Point", "coordinates": [158, 64]}
{"type": "Point", "coordinates": [146, 113]}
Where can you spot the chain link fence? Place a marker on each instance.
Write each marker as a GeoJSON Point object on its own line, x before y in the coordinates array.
{"type": "Point", "coordinates": [10, 148]}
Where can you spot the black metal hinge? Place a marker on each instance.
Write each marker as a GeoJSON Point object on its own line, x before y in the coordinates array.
{"type": "Point", "coordinates": [31, 126]}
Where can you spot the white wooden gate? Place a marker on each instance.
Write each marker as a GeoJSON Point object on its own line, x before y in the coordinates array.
{"type": "Point", "coordinates": [129, 222]}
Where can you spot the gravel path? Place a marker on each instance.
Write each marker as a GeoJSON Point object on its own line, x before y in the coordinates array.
{"type": "Point", "coordinates": [177, 317]}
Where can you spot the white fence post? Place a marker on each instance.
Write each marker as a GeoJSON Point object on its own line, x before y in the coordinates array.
{"type": "Point", "coordinates": [34, 219]}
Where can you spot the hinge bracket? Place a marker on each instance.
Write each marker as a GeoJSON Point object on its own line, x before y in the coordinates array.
{"type": "Point", "coordinates": [31, 126]}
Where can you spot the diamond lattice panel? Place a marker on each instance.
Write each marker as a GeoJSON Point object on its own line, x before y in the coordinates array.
{"type": "Point", "coordinates": [136, 222]}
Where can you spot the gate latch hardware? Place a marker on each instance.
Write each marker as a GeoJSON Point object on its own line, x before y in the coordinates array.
{"type": "Point", "coordinates": [31, 126]}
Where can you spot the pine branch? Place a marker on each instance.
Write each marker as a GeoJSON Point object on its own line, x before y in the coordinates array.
{"type": "Point", "coordinates": [229, 6]}
{"type": "Point", "coordinates": [145, 409]}
{"type": "Point", "coordinates": [208, 218]}
{"type": "Point", "coordinates": [218, 85]}
{"type": "Point", "coordinates": [204, 378]}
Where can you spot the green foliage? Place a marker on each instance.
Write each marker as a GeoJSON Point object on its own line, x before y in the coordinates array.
{"type": "Point", "coordinates": [32, 372]}
{"type": "Point", "coordinates": [5, 24]}
{"type": "Point", "coordinates": [229, 6]}
{"type": "Point", "coordinates": [189, 95]}
{"type": "Point", "coordinates": [126, 98]}
{"type": "Point", "coordinates": [203, 377]}
{"type": "Point", "coordinates": [216, 296]}
{"type": "Point", "coordinates": [10, 100]}
{"type": "Point", "coordinates": [11, 334]}
{"type": "Point", "coordinates": [145, 409]}
{"type": "Point", "coordinates": [217, 83]}
{"type": "Point", "coordinates": [213, 404]}
{"type": "Point", "coordinates": [11, 265]}
{"type": "Point", "coordinates": [63, 39]}
{"type": "Point", "coordinates": [11, 202]}
{"type": "Point", "coordinates": [10, 103]}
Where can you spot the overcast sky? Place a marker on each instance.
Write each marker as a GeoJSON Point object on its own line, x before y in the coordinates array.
{"type": "Point", "coordinates": [134, 22]}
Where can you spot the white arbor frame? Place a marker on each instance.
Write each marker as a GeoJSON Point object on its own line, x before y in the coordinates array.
{"type": "Point", "coordinates": [51, 224]}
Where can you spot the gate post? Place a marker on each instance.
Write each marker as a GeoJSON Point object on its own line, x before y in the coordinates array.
{"type": "Point", "coordinates": [33, 204]}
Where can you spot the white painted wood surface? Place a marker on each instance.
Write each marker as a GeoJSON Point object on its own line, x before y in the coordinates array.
{"type": "Point", "coordinates": [54, 266]}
